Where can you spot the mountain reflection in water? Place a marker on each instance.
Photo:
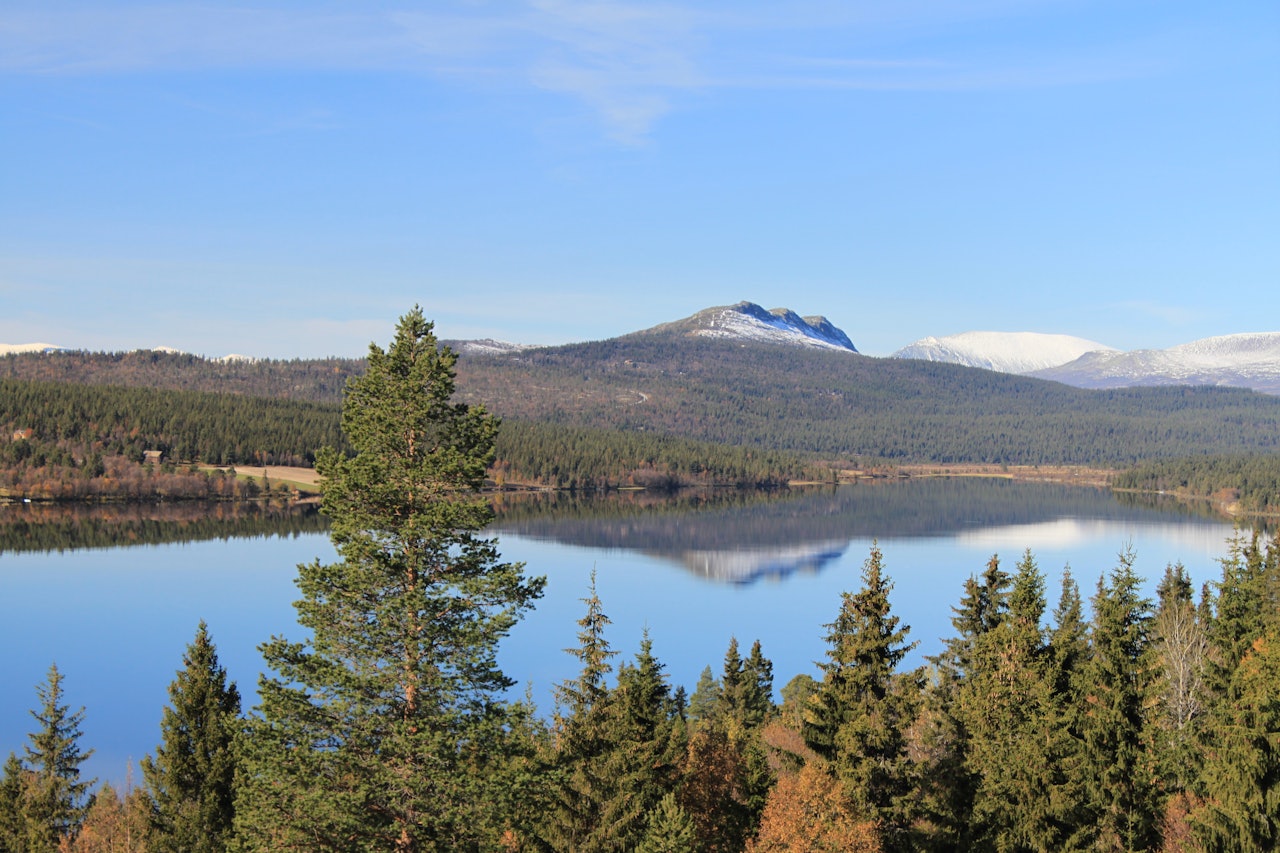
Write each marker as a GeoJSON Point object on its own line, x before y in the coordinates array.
{"type": "Point", "coordinates": [742, 536]}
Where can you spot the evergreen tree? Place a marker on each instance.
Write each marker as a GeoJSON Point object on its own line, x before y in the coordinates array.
{"type": "Point", "coordinates": [857, 718]}
{"type": "Point", "coordinates": [1007, 706]}
{"type": "Point", "coordinates": [732, 682]}
{"type": "Point", "coordinates": [669, 829]}
{"type": "Point", "coordinates": [13, 826]}
{"type": "Point", "coordinates": [947, 783]}
{"type": "Point", "coordinates": [646, 747]}
{"type": "Point", "coordinates": [54, 798]}
{"type": "Point", "coordinates": [191, 779]}
{"type": "Point", "coordinates": [745, 692]}
{"type": "Point", "coordinates": [582, 741]}
{"type": "Point", "coordinates": [1241, 775]}
{"type": "Point", "coordinates": [377, 733]}
{"type": "Point", "coordinates": [1067, 654]}
{"type": "Point", "coordinates": [1119, 788]}
{"type": "Point", "coordinates": [757, 671]}
{"type": "Point", "coordinates": [1247, 605]}
{"type": "Point", "coordinates": [1068, 640]}
{"type": "Point", "coordinates": [705, 702]}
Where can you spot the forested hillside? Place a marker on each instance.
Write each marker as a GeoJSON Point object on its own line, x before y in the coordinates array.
{"type": "Point", "coordinates": [849, 407]}
{"type": "Point", "coordinates": [60, 440]}
{"type": "Point", "coordinates": [651, 410]}
{"type": "Point", "coordinates": [314, 380]}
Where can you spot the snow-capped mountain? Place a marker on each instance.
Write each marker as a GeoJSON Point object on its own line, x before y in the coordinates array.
{"type": "Point", "coordinates": [1247, 360]}
{"type": "Point", "coordinates": [749, 322]}
{"type": "Point", "coordinates": [486, 346]}
{"type": "Point", "coordinates": [7, 349]}
{"type": "Point", "coordinates": [1006, 352]}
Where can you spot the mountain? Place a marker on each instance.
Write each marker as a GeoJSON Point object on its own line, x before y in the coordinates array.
{"type": "Point", "coordinates": [485, 346]}
{"type": "Point", "coordinates": [1007, 352]}
{"type": "Point", "coordinates": [1249, 360]}
{"type": "Point", "coordinates": [747, 321]}
{"type": "Point", "coordinates": [1238, 361]}
{"type": "Point", "coordinates": [11, 349]}
{"type": "Point", "coordinates": [721, 378]}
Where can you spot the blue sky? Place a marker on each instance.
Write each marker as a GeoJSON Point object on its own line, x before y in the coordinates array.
{"type": "Point", "coordinates": [285, 179]}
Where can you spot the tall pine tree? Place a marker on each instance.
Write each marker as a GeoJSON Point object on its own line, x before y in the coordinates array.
{"type": "Point", "coordinates": [376, 733]}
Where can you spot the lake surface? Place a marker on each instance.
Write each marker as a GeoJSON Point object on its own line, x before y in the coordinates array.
{"type": "Point", "coordinates": [693, 572]}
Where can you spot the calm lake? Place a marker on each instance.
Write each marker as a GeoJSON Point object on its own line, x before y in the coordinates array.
{"type": "Point", "coordinates": [113, 595]}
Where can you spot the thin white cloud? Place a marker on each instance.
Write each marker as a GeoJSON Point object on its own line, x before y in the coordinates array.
{"type": "Point", "coordinates": [631, 63]}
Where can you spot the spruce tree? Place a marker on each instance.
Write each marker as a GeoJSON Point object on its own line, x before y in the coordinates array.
{"type": "Point", "coordinates": [376, 732]}
{"type": "Point", "coordinates": [1007, 705]}
{"type": "Point", "coordinates": [947, 782]}
{"type": "Point", "coordinates": [582, 741]}
{"type": "Point", "coordinates": [757, 671]}
{"type": "Point", "coordinates": [647, 745]}
{"type": "Point", "coordinates": [1067, 655]}
{"type": "Point", "coordinates": [732, 681]}
{"type": "Point", "coordinates": [1240, 810]}
{"type": "Point", "coordinates": [1247, 605]}
{"type": "Point", "coordinates": [705, 701]}
{"type": "Point", "coordinates": [191, 779]}
{"type": "Point", "coordinates": [857, 718]}
{"type": "Point", "coordinates": [13, 826]}
{"type": "Point", "coordinates": [669, 829]}
{"type": "Point", "coordinates": [1119, 787]}
{"type": "Point", "coordinates": [54, 797]}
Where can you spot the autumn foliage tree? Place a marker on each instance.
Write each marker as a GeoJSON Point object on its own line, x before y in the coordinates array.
{"type": "Point", "coordinates": [809, 812]}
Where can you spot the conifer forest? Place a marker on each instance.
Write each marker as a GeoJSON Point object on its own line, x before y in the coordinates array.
{"type": "Point", "coordinates": [1055, 718]}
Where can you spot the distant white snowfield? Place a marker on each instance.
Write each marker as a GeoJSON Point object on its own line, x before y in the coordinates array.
{"type": "Point", "coordinates": [1244, 360]}
{"type": "Point", "coordinates": [1007, 352]}
{"type": "Point", "coordinates": [7, 349]}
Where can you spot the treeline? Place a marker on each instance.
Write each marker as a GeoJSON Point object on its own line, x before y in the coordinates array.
{"type": "Point", "coordinates": [77, 421]}
{"type": "Point", "coordinates": [596, 459]}
{"type": "Point", "coordinates": [1147, 725]}
{"type": "Point", "coordinates": [1251, 481]}
{"type": "Point", "coordinates": [313, 380]}
{"type": "Point", "coordinates": [67, 441]}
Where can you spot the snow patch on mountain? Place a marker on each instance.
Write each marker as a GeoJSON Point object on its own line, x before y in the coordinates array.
{"type": "Point", "coordinates": [1006, 352]}
{"type": "Point", "coordinates": [8, 349]}
{"type": "Point", "coordinates": [486, 346]}
{"type": "Point", "coordinates": [749, 322]}
{"type": "Point", "coordinates": [1245, 360]}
